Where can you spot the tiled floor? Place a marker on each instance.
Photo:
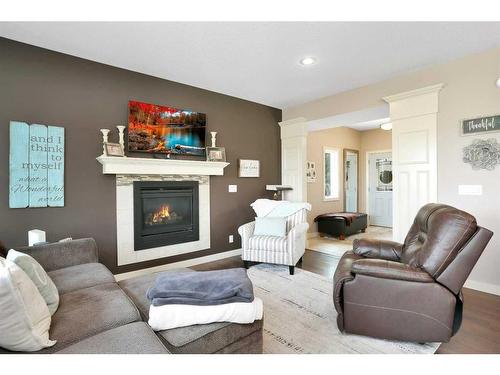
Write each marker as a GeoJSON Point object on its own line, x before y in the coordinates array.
{"type": "Point", "coordinates": [335, 247]}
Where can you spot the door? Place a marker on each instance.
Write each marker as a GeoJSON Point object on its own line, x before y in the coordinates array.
{"type": "Point", "coordinates": [414, 147]}
{"type": "Point", "coordinates": [293, 159]}
{"type": "Point", "coordinates": [351, 180]}
{"type": "Point", "coordinates": [380, 189]}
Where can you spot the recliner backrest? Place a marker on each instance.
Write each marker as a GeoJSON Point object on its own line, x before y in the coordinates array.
{"type": "Point", "coordinates": [456, 273]}
{"type": "Point", "coordinates": [436, 237]}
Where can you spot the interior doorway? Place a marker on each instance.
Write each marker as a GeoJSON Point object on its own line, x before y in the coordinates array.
{"type": "Point", "coordinates": [380, 187]}
{"type": "Point", "coordinates": [351, 179]}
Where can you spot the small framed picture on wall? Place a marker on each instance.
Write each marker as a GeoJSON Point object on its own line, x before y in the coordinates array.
{"type": "Point", "coordinates": [248, 168]}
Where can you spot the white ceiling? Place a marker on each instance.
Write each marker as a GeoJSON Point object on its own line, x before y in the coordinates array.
{"type": "Point", "coordinates": [259, 61]}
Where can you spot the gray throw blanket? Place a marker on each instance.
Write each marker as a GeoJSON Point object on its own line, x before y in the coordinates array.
{"type": "Point", "coordinates": [203, 288]}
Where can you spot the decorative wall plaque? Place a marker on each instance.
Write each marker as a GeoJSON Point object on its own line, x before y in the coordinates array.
{"type": "Point", "coordinates": [248, 168]}
{"type": "Point", "coordinates": [36, 165]}
{"type": "Point", "coordinates": [479, 125]}
{"type": "Point", "coordinates": [482, 154]}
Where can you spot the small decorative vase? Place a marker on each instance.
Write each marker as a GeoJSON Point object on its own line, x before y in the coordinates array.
{"type": "Point", "coordinates": [121, 130]}
{"type": "Point", "coordinates": [105, 133]}
{"type": "Point", "coordinates": [213, 138]}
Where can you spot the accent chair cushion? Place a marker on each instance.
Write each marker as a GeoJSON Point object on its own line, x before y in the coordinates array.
{"type": "Point", "coordinates": [81, 276]}
{"type": "Point", "coordinates": [267, 243]}
{"type": "Point", "coordinates": [270, 226]}
{"type": "Point", "coordinates": [24, 315]}
{"type": "Point", "coordinates": [37, 274]}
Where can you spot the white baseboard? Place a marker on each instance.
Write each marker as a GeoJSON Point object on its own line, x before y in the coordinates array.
{"type": "Point", "coordinates": [182, 264]}
{"type": "Point", "coordinates": [312, 235]}
{"type": "Point", "coordinates": [483, 287]}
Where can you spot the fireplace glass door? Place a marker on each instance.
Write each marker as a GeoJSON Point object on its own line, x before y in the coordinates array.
{"type": "Point", "coordinates": [165, 213]}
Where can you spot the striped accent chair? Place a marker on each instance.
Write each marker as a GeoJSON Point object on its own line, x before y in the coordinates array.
{"type": "Point", "coordinates": [277, 250]}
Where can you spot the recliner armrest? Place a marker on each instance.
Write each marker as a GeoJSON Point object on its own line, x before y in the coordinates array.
{"type": "Point", "coordinates": [379, 249]}
{"type": "Point", "coordinates": [390, 270]}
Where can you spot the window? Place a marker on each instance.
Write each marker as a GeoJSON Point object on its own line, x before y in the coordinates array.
{"type": "Point", "coordinates": [331, 174]}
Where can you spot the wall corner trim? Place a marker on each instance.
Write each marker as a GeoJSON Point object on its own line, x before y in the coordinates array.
{"type": "Point", "coordinates": [417, 92]}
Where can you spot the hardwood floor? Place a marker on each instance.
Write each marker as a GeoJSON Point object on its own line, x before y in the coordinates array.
{"type": "Point", "coordinates": [480, 331]}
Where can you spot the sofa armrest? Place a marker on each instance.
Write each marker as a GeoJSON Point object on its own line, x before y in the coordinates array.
{"type": "Point", "coordinates": [58, 255]}
{"type": "Point", "coordinates": [379, 249]}
{"type": "Point", "coordinates": [386, 269]}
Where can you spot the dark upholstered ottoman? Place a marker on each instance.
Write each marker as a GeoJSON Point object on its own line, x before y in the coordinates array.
{"type": "Point", "coordinates": [198, 339]}
{"type": "Point", "coordinates": [341, 224]}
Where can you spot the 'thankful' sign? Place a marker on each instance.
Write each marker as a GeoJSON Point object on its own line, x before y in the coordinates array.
{"type": "Point", "coordinates": [481, 125]}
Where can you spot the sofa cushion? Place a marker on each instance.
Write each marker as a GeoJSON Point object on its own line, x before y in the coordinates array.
{"type": "Point", "coordinates": [37, 274]}
{"type": "Point", "coordinates": [133, 338]}
{"type": "Point", "coordinates": [268, 243]}
{"type": "Point", "coordinates": [82, 276]}
{"type": "Point", "coordinates": [24, 315]}
{"type": "Point", "coordinates": [197, 339]}
{"type": "Point", "coordinates": [86, 312]}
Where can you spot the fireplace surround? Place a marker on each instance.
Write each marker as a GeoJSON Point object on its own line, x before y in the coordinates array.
{"type": "Point", "coordinates": [129, 170]}
{"type": "Point", "coordinates": [165, 213]}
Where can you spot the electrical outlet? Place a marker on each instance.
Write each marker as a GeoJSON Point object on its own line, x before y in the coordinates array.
{"type": "Point", "coordinates": [232, 188]}
{"type": "Point", "coordinates": [470, 189]}
{"type": "Point", "coordinates": [231, 238]}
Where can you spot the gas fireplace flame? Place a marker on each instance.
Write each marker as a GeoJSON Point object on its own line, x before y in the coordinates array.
{"type": "Point", "coordinates": [160, 215]}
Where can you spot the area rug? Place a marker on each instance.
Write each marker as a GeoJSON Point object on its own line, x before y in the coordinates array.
{"type": "Point", "coordinates": [299, 317]}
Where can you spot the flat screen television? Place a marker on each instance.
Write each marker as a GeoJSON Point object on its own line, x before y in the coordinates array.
{"type": "Point", "coordinates": [159, 129]}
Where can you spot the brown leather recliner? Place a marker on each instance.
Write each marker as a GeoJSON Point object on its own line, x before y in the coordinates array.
{"type": "Point", "coordinates": [410, 291]}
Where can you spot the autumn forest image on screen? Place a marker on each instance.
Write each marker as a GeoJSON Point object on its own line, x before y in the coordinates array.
{"type": "Point", "coordinates": [161, 129]}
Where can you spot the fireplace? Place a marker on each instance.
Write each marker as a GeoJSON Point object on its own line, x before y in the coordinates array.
{"type": "Point", "coordinates": [165, 213]}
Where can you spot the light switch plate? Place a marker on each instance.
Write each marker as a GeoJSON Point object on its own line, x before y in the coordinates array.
{"type": "Point", "coordinates": [231, 238]}
{"type": "Point", "coordinates": [232, 188]}
{"type": "Point", "coordinates": [470, 189]}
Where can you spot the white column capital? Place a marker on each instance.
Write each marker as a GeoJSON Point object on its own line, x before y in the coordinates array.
{"type": "Point", "coordinates": [296, 127]}
{"type": "Point", "coordinates": [417, 92]}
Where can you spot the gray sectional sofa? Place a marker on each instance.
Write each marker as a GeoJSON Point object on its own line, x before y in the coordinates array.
{"type": "Point", "coordinates": [98, 315]}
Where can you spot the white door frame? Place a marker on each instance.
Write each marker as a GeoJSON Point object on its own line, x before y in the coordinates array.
{"type": "Point", "coordinates": [414, 117]}
{"type": "Point", "coordinates": [293, 158]}
{"type": "Point", "coordinates": [367, 181]}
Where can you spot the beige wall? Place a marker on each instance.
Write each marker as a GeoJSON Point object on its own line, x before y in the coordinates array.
{"type": "Point", "coordinates": [336, 138]}
{"type": "Point", "coordinates": [469, 91]}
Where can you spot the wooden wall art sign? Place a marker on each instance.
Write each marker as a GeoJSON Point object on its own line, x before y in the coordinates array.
{"type": "Point", "coordinates": [36, 165]}
{"type": "Point", "coordinates": [487, 124]}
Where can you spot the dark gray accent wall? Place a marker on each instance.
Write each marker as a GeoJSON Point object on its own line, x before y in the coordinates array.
{"type": "Point", "coordinates": [41, 86]}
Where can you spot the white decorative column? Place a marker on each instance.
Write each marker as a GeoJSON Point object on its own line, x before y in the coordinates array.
{"type": "Point", "coordinates": [414, 153]}
{"type": "Point", "coordinates": [293, 158]}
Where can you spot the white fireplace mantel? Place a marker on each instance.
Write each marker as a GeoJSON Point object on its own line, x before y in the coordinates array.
{"type": "Point", "coordinates": [146, 166]}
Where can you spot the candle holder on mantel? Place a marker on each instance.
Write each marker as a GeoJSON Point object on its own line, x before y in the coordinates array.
{"type": "Point", "coordinates": [105, 133]}
{"type": "Point", "coordinates": [121, 130]}
{"type": "Point", "coordinates": [214, 134]}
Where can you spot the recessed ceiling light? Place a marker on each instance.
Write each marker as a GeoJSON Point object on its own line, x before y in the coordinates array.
{"type": "Point", "coordinates": [386, 126]}
{"type": "Point", "coordinates": [307, 61]}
